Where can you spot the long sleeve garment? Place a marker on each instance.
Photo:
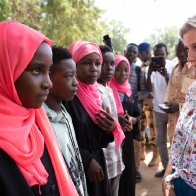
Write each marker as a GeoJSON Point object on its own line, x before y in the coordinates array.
{"type": "Point", "coordinates": [127, 181]}
{"type": "Point", "coordinates": [91, 139]}
{"type": "Point", "coordinates": [12, 182]}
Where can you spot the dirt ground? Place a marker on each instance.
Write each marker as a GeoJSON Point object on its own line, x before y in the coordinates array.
{"type": "Point", "coordinates": [150, 185]}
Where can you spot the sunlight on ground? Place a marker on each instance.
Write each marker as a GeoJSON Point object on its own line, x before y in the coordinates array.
{"type": "Point", "coordinates": [144, 192]}
{"type": "Point", "coordinates": [149, 186]}
{"type": "Point", "coordinates": [149, 157]}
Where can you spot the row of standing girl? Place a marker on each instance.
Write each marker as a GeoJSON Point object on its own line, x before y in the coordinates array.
{"type": "Point", "coordinates": [95, 119]}
{"type": "Point", "coordinates": [37, 158]}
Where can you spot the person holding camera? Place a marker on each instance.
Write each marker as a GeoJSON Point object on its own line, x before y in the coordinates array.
{"type": "Point", "coordinates": [157, 80]}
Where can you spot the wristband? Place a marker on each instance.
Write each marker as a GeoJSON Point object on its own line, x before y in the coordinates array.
{"type": "Point", "coordinates": [166, 184]}
{"type": "Point", "coordinates": [168, 181]}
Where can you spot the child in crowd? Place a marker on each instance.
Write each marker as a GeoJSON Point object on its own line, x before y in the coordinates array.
{"type": "Point", "coordinates": [125, 102]}
{"type": "Point", "coordinates": [30, 160]}
{"type": "Point", "coordinates": [63, 77]}
{"type": "Point", "coordinates": [93, 126]}
{"type": "Point", "coordinates": [113, 156]}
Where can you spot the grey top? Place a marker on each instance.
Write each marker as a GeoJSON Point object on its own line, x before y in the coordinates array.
{"type": "Point", "coordinates": [64, 130]}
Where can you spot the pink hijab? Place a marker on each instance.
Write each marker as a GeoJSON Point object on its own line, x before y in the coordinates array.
{"type": "Point", "coordinates": [89, 95]}
{"type": "Point", "coordinates": [23, 131]}
{"type": "Point", "coordinates": [117, 87]}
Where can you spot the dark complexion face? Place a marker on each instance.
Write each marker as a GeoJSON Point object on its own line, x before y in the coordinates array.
{"type": "Point", "coordinates": [89, 68]}
{"type": "Point", "coordinates": [121, 72]}
{"type": "Point", "coordinates": [107, 68]}
{"type": "Point", "coordinates": [145, 55]}
{"type": "Point", "coordinates": [63, 77]}
{"type": "Point", "coordinates": [33, 84]}
{"type": "Point", "coordinates": [160, 52]}
{"type": "Point", "coordinates": [182, 54]}
{"type": "Point", "coordinates": [131, 53]}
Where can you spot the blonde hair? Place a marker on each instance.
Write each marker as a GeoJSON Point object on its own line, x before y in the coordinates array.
{"type": "Point", "coordinates": [188, 25]}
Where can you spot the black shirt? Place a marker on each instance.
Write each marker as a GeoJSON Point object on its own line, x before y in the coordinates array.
{"type": "Point", "coordinates": [12, 182]}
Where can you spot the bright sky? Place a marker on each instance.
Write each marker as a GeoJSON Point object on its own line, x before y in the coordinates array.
{"type": "Point", "coordinates": [144, 17]}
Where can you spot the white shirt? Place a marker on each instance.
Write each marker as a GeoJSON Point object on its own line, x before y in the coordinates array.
{"type": "Point", "coordinates": [159, 85]}
{"type": "Point", "coordinates": [113, 157]}
{"type": "Point", "coordinates": [169, 66]}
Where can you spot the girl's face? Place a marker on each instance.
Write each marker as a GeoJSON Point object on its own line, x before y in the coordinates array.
{"type": "Point", "coordinates": [89, 68]}
{"type": "Point", "coordinates": [121, 72]}
{"type": "Point", "coordinates": [108, 67]}
{"type": "Point", "coordinates": [34, 83]}
{"type": "Point", "coordinates": [63, 76]}
{"type": "Point", "coordinates": [190, 43]}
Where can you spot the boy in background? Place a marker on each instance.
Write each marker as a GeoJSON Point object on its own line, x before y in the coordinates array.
{"type": "Point", "coordinates": [107, 41]}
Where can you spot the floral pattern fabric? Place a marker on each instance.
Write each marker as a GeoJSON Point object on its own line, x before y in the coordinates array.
{"type": "Point", "coordinates": [183, 149]}
{"type": "Point", "coordinates": [174, 93]}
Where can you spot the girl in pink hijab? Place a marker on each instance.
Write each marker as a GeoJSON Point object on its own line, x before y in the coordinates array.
{"type": "Point", "coordinates": [30, 160]}
{"type": "Point", "coordinates": [128, 112]}
{"type": "Point", "coordinates": [94, 127]}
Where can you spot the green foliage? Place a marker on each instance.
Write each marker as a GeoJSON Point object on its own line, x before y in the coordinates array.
{"type": "Point", "coordinates": [117, 32]}
{"type": "Point", "coordinates": [68, 21]}
{"type": "Point", "coordinates": [169, 36]}
{"type": "Point", "coordinates": [4, 10]}
{"type": "Point", "coordinates": [64, 21]}
{"type": "Point", "coordinates": [25, 11]}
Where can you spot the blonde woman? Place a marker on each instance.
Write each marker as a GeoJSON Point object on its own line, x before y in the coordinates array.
{"type": "Point", "coordinates": [180, 175]}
